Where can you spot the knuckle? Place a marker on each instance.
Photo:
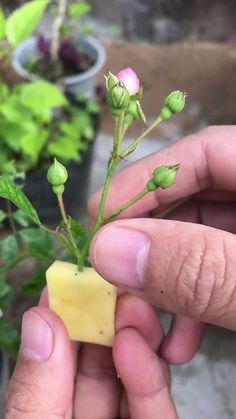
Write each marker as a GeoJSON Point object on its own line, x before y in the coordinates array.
{"type": "Point", "coordinates": [19, 396]}
{"type": "Point", "coordinates": [204, 283]}
{"type": "Point", "coordinates": [24, 400]}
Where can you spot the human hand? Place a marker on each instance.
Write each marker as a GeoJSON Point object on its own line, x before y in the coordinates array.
{"type": "Point", "coordinates": [55, 378]}
{"type": "Point", "coordinates": [185, 264]}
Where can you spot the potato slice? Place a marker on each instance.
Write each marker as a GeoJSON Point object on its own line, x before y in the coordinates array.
{"type": "Point", "coordinates": [84, 301]}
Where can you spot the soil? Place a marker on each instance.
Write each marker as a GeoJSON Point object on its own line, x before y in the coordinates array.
{"type": "Point", "coordinates": [71, 60]}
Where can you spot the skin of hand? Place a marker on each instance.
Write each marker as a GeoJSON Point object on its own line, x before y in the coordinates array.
{"type": "Point", "coordinates": [57, 379]}
{"type": "Point", "coordinates": [184, 264]}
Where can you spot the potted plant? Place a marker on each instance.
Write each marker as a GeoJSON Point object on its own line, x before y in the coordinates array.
{"type": "Point", "coordinates": [38, 122]}
{"type": "Point", "coordinates": [74, 288]}
{"type": "Point", "coordinates": [62, 56]}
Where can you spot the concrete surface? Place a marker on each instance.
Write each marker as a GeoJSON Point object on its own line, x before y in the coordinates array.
{"type": "Point", "coordinates": [204, 388]}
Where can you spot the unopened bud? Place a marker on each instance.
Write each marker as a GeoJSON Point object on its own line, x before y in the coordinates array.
{"type": "Point", "coordinates": [111, 81]}
{"type": "Point", "coordinates": [130, 80]}
{"type": "Point", "coordinates": [118, 97]}
{"type": "Point", "coordinates": [175, 101]}
{"type": "Point", "coordinates": [136, 111]}
{"type": "Point", "coordinates": [151, 185]}
{"type": "Point", "coordinates": [57, 175]}
{"type": "Point", "coordinates": [165, 113]}
{"type": "Point", "coordinates": [165, 176]}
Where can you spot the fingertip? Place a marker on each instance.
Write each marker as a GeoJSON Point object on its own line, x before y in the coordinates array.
{"type": "Point", "coordinates": [183, 340]}
{"type": "Point", "coordinates": [132, 311]}
{"type": "Point", "coordinates": [43, 300]}
{"type": "Point", "coordinates": [136, 363]}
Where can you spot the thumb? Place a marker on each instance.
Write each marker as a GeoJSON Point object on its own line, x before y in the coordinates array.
{"type": "Point", "coordinates": [184, 268]}
{"type": "Point", "coordinates": [42, 383]}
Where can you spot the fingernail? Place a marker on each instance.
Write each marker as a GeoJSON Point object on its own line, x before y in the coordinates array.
{"type": "Point", "coordinates": [36, 337]}
{"type": "Point", "coordinates": [120, 256]}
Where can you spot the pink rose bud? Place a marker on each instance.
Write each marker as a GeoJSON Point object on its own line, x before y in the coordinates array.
{"type": "Point", "coordinates": [130, 80]}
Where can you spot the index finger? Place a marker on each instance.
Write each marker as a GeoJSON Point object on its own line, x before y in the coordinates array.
{"type": "Point", "coordinates": [207, 160]}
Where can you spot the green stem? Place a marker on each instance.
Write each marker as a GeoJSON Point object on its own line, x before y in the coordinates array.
{"type": "Point", "coordinates": [133, 146]}
{"type": "Point", "coordinates": [70, 237]}
{"type": "Point", "coordinates": [14, 263]}
{"type": "Point", "coordinates": [125, 206]}
{"type": "Point", "coordinates": [10, 218]}
{"type": "Point", "coordinates": [115, 158]}
{"type": "Point", "coordinates": [118, 136]}
{"type": "Point", "coordinates": [49, 230]}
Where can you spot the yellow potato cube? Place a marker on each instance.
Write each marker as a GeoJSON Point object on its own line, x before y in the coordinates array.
{"type": "Point", "coordinates": [84, 301]}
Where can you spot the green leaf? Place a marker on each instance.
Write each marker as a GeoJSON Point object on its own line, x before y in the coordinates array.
{"type": "Point", "coordinates": [79, 233]}
{"type": "Point", "coordinates": [4, 88]}
{"type": "Point", "coordinates": [7, 293]}
{"type": "Point", "coordinates": [78, 9]}
{"type": "Point", "coordinates": [64, 148]}
{"type": "Point", "coordinates": [9, 338]}
{"type": "Point", "coordinates": [40, 243]}
{"type": "Point", "coordinates": [21, 218]}
{"type": "Point", "coordinates": [34, 286]}
{"type": "Point", "coordinates": [41, 94]}
{"type": "Point", "coordinates": [22, 23]}
{"type": "Point", "coordinates": [92, 107]}
{"type": "Point", "coordinates": [3, 216]}
{"type": "Point", "coordinates": [9, 248]}
{"type": "Point", "coordinates": [2, 24]}
{"type": "Point", "coordinates": [13, 193]}
{"type": "Point", "coordinates": [33, 142]}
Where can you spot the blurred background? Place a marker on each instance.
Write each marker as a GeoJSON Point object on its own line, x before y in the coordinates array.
{"type": "Point", "coordinates": [172, 44]}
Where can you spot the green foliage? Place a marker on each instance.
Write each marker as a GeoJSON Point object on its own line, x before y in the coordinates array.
{"type": "Point", "coordinates": [21, 218]}
{"type": "Point", "coordinates": [34, 286]}
{"type": "Point", "coordinates": [2, 216]}
{"type": "Point", "coordinates": [2, 24]}
{"type": "Point", "coordinates": [38, 123]}
{"type": "Point", "coordinates": [9, 248]}
{"type": "Point", "coordinates": [9, 190]}
{"type": "Point", "coordinates": [42, 95]}
{"type": "Point", "coordinates": [39, 243]}
{"type": "Point", "coordinates": [6, 293]}
{"type": "Point", "coordinates": [24, 20]}
{"type": "Point", "coordinates": [79, 233]}
{"type": "Point", "coordinates": [79, 9]}
{"type": "Point", "coordinates": [9, 338]}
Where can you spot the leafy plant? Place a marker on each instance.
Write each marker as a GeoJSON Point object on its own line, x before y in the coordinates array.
{"type": "Point", "coordinates": [57, 55]}
{"type": "Point", "coordinates": [37, 121]}
{"type": "Point", "coordinates": [26, 243]}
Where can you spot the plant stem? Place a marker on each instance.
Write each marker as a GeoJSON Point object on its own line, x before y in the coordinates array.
{"type": "Point", "coordinates": [10, 218]}
{"type": "Point", "coordinates": [118, 136]}
{"type": "Point", "coordinates": [125, 206]}
{"type": "Point", "coordinates": [70, 237]}
{"type": "Point", "coordinates": [58, 22]}
{"type": "Point", "coordinates": [114, 160]}
{"type": "Point", "coordinates": [133, 146]}
{"type": "Point", "coordinates": [14, 263]}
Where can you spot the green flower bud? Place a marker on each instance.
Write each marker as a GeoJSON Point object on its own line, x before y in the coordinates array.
{"type": "Point", "coordinates": [58, 190]}
{"type": "Point", "coordinates": [111, 81]}
{"type": "Point", "coordinates": [165, 113]}
{"type": "Point", "coordinates": [151, 185]}
{"type": "Point", "coordinates": [116, 112]}
{"type": "Point", "coordinates": [129, 119]}
{"type": "Point", "coordinates": [136, 111]}
{"type": "Point", "coordinates": [165, 176]}
{"type": "Point", "coordinates": [118, 97]}
{"type": "Point", "coordinates": [57, 175]}
{"type": "Point", "coordinates": [175, 101]}
{"type": "Point", "coordinates": [132, 109]}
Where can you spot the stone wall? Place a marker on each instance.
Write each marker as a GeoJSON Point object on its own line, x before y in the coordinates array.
{"type": "Point", "coordinates": [163, 21]}
{"type": "Point", "coordinates": [169, 20]}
